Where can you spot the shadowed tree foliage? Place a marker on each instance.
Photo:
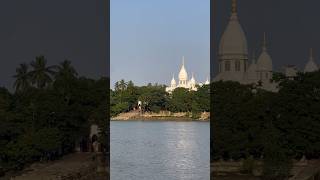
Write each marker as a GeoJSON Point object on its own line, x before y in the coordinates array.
{"type": "Point", "coordinates": [41, 74]}
{"type": "Point", "coordinates": [22, 78]}
{"type": "Point", "coordinates": [277, 127]}
{"type": "Point", "coordinates": [45, 121]}
{"type": "Point", "coordinates": [66, 70]}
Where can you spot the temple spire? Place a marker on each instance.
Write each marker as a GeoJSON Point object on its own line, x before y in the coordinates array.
{"type": "Point", "coordinates": [182, 60]}
{"type": "Point", "coordinates": [311, 54]}
{"type": "Point", "coordinates": [264, 45]}
{"type": "Point", "coordinates": [234, 6]}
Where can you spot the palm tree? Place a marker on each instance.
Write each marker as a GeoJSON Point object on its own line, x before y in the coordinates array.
{"type": "Point", "coordinates": [64, 79]}
{"type": "Point", "coordinates": [122, 85]}
{"type": "Point", "coordinates": [65, 70]}
{"type": "Point", "coordinates": [116, 86]}
{"type": "Point", "coordinates": [22, 78]}
{"type": "Point", "coordinates": [41, 75]}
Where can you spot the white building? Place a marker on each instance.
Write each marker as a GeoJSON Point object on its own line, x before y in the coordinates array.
{"type": "Point", "coordinates": [233, 58]}
{"type": "Point", "coordinates": [183, 80]}
{"type": "Point", "coordinates": [311, 64]}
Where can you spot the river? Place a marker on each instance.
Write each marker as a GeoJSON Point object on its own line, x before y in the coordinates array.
{"type": "Point", "coordinates": [160, 150]}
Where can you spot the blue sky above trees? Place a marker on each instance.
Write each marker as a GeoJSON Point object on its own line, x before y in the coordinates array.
{"type": "Point", "coordinates": [149, 38]}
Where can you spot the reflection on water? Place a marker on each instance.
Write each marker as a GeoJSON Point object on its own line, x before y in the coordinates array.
{"type": "Point", "coordinates": [160, 150]}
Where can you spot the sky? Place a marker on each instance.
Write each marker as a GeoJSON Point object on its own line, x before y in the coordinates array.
{"type": "Point", "coordinates": [59, 30]}
{"type": "Point", "coordinates": [149, 38]}
{"type": "Point", "coordinates": [292, 28]}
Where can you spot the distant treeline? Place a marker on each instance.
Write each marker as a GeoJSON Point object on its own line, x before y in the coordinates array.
{"type": "Point", "coordinates": [250, 123]}
{"type": "Point", "coordinates": [48, 113]}
{"type": "Point", "coordinates": [154, 98]}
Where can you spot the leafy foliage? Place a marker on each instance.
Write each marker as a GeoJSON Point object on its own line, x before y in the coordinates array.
{"type": "Point", "coordinates": [248, 121]}
{"type": "Point", "coordinates": [51, 109]}
{"type": "Point", "coordinates": [154, 98]}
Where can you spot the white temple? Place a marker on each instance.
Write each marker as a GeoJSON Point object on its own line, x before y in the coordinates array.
{"type": "Point", "coordinates": [183, 81]}
{"type": "Point", "coordinates": [311, 65]}
{"type": "Point", "coordinates": [234, 62]}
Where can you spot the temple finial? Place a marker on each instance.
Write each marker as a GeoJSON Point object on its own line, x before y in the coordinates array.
{"type": "Point", "coordinates": [182, 60]}
{"type": "Point", "coordinates": [311, 53]}
{"type": "Point", "coordinates": [264, 45]}
{"type": "Point", "coordinates": [234, 6]}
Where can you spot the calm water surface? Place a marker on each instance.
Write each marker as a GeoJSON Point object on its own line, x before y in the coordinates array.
{"type": "Point", "coordinates": [143, 150]}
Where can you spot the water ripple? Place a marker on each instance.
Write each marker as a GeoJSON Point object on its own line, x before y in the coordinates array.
{"type": "Point", "coordinates": [160, 150]}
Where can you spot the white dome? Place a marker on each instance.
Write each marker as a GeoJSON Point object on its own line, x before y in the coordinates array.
{"type": "Point", "coordinates": [233, 40]}
{"type": "Point", "coordinates": [183, 75]}
{"type": "Point", "coordinates": [311, 66]}
{"type": "Point", "coordinates": [173, 81]}
{"type": "Point", "coordinates": [207, 82]}
{"type": "Point", "coordinates": [264, 61]}
{"type": "Point", "coordinates": [192, 80]}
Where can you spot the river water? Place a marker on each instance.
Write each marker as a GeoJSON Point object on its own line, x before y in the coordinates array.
{"type": "Point", "coordinates": [161, 150]}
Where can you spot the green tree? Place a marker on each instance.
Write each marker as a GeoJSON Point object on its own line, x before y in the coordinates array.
{"type": "Point", "coordinates": [180, 100]}
{"type": "Point", "coordinates": [66, 70]}
{"type": "Point", "coordinates": [41, 74]}
{"type": "Point", "coordinates": [22, 77]}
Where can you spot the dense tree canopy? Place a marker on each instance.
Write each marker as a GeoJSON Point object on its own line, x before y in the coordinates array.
{"type": "Point", "coordinates": [278, 126]}
{"type": "Point", "coordinates": [51, 109]}
{"type": "Point", "coordinates": [154, 98]}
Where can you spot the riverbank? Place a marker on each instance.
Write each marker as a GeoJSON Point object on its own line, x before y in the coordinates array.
{"type": "Point", "coordinates": [77, 166]}
{"type": "Point", "coordinates": [236, 177]}
{"type": "Point", "coordinates": [161, 116]}
{"type": "Point", "coordinates": [225, 170]}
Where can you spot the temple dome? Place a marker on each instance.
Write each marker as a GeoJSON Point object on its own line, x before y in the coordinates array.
{"type": "Point", "coordinates": [233, 40]}
{"type": "Point", "coordinates": [207, 81]}
{"type": "Point", "coordinates": [173, 81]}
{"type": "Point", "coordinates": [311, 66]}
{"type": "Point", "coordinates": [264, 61]}
{"type": "Point", "coordinates": [183, 75]}
{"type": "Point", "coordinates": [192, 80]}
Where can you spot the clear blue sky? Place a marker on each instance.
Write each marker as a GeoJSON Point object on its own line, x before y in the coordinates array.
{"type": "Point", "coordinates": [149, 37]}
